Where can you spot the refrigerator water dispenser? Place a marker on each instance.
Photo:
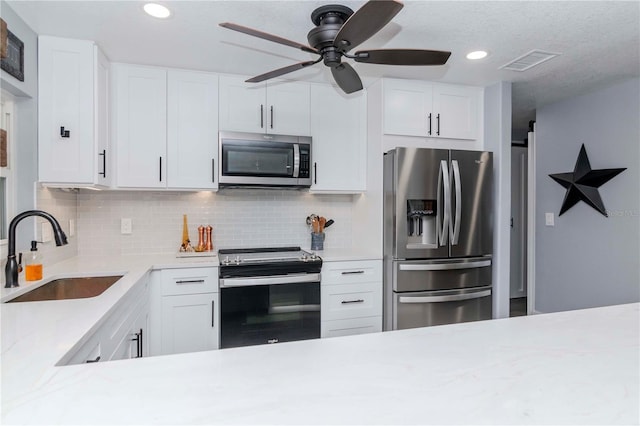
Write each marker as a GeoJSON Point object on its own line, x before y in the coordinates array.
{"type": "Point", "coordinates": [421, 224]}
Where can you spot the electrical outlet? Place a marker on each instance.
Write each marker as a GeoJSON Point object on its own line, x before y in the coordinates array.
{"type": "Point", "coordinates": [46, 232]}
{"type": "Point", "coordinates": [126, 226]}
{"type": "Point", "coordinates": [72, 227]}
{"type": "Point", "coordinates": [548, 219]}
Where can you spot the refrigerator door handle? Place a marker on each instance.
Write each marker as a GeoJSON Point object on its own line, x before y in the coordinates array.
{"type": "Point", "coordinates": [443, 266]}
{"type": "Point", "coordinates": [444, 187]}
{"type": "Point", "coordinates": [449, 298]}
{"type": "Point", "coordinates": [455, 224]}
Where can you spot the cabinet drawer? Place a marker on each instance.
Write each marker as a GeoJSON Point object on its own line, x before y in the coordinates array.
{"type": "Point", "coordinates": [351, 301]}
{"type": "Point", "coordinates": [91, 351]}
{"type": "Point", "coordinates": [189, 281]}
{"type": "Point", "coordinates": [349, 327]}
{"type": "Point", "coordinates": [351, 272]}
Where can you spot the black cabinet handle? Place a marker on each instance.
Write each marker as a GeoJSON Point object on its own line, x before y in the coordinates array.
{"type": "Point", "coordinates": [344, 302]}
{"type": "Point", "coordinates": [438, 121]}
{"type": "Point", "coordinates": [272, 116]}
{"type": "Point", "coordinates": [189, 281]}
{"type": "Point", "coordinates": [89, 361]}
{"type": "Point", "coordinates": [315, 173]}
{"type": "Point", "coordinates": [429, 123]}
{"type": "Point", "coordinates": [160, 168]}
{"type": "Point", "coordinates": [261, 116]}
{"type": "Point", "coordinates": [138, 340]}
{"type": "Point", "coordinates": [213, 313]}
{"type": "Point", "coordinates": [64, 133]}
{"type": "Point", "coordinates": [104, 163]}
{"type": "Point", "coordinates": [352, 272]}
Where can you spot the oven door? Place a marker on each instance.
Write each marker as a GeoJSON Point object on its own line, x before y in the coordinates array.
{"type": "Point", "coordinates": [271, 309]}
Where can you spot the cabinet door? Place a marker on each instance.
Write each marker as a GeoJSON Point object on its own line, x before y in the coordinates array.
{"type": "Point", "coordinates": [338, 124]}
{"type": "Point", "coordinates": [192, 130]}
{"type": "Point", "coordinates": [103, 158]}
{"type": "Point", "coordinates": [190, 323]}
{"type": "Point", "coordinates": [407, 108]}
{"type": "Point", "coordinates": [65, 104]}
{"type": "Point", "coordinates": [288, 108]}
{"type": "Point", "coordinates": [141, 126]}
{"type": "Point", "coordinates": [455, 110]}
{"type": "Point", "coordinates": [242, 105]}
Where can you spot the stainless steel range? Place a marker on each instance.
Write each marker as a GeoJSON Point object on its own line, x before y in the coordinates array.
{"type": "Point", "coordinates": [268, 295]}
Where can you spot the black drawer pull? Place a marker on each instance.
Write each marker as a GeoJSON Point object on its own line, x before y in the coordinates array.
{"type": "Point", "coordinates": [189, 281]}
{"type": "Point", "coordinates": [89, 361]}
{"type": "Point", "coordinates": [352, 272]}
{"type": "Point", "coordinates": [344, 302]}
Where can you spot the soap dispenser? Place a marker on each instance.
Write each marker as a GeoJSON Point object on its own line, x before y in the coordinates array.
{"type": "Point", "coordinates": [33, 264]}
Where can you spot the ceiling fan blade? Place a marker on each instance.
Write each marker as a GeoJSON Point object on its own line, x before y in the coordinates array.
{"type": "Point", "coordinates": [365, 22]}
{"type": "Point", "coordinates": [267, 36]}
{"type": "Point", "coordinates": [281, 71]}
{"type": "Point", "coordinates": [347, 78]}
{"type": "Point", "coordinates": [403, 57]}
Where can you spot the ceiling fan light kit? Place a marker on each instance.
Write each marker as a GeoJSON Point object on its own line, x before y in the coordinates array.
{"type": "Point", "coordinates": [338, 29]}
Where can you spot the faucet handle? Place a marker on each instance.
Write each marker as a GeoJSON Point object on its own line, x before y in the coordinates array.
{"type": "Point", "coordinates": [19, 262]}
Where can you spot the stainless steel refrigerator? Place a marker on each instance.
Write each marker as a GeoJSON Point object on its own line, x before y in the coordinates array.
{"type": "Point", "coordinates": [438, 237]}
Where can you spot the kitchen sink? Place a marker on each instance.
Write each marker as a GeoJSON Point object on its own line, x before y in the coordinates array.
{"type": "Point", "coordinates": [69, 288]}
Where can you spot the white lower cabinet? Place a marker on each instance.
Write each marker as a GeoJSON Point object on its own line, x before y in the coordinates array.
{"type": "Point", "coordinates": [188, 307]}
{"type": "Point", "coordinates": [120, 334]}
{"type": "Point", "coordinates": [351, 298]}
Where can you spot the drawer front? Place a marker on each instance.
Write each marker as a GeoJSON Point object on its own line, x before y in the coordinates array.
{"type": "Point", "coordinates": [91, 351]}
{"type": "Point", "coordinates": [189, 281]}
{"type": "Point", "coordinates": [351, 272]}
{"type": "Point", "coordinates": [351, 327]}
{"type": "Point", "coordinates": [351, 301]}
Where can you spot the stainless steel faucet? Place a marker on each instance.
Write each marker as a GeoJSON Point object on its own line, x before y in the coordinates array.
{"type": "Point", "coordinates": [11, 269]}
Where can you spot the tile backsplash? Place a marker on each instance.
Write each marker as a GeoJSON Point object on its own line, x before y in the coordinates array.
{"type": "Point", "coordinates": [62, 205]}
{"type": "Point", "coordinates": [240, 218]}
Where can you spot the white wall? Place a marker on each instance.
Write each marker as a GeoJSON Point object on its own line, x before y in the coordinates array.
{"type": "Point", "coordinates": [588, 259]}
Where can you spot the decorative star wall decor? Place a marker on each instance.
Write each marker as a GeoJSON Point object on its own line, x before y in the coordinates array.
{"type": "Point", "coordinates": [583, 183]}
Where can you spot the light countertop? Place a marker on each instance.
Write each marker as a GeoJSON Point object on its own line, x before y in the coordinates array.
{"type": "Point", "coordinates": [576, 367]}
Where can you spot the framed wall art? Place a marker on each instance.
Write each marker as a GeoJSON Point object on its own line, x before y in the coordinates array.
{"type": "Point", "coordinates": [13, 63]}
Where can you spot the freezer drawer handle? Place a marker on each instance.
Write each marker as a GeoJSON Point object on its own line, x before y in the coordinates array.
{"type": "Point", "coordinates": [444, 266]}
{"type": "Point", "coordinates": [352, 272]}
{"type": "Point", "coordinates": [451, 298]}
{"type": "Point", "coordinates": [344, 302]}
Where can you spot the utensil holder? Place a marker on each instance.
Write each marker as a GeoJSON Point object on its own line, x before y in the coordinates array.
{"type": "Point", "coordinates": [317, 241]}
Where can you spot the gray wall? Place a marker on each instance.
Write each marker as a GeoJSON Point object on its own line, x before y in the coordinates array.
{"type": "Point", "coordinates": [588, 259]}
{"type": "Point", "coordinates": [26, 109]}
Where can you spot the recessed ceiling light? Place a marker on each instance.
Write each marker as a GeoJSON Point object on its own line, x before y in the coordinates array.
{"type": "Point", "coordinates": [478, 54]}
{"type": "Point", "coordinates": [157, 10]}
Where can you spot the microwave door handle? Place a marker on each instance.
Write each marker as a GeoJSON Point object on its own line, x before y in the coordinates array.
{"type": "Point", "coordinates": [296, 160]}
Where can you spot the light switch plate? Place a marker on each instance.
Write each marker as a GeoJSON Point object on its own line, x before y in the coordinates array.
{"type": "Point", "coordinates": [126, 226]}
{"type": "Point", "coordinates": [548, 219]}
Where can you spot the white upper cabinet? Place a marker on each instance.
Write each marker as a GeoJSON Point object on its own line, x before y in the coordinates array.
{"type": "Point", "coordinates": [166, 128]}
{"type": "Point", "coordinates": [417, 108]}
{"type": "Point", "coordinates": [273, 107]}
{"type": "Point", "coordinates": [140, 123]}
{"type": "Point", "coordinates": [339, 129]}
{"type": "Point", "coordinates": [73, 113]}
{"type": "Point", "coordinates": [192, 130]}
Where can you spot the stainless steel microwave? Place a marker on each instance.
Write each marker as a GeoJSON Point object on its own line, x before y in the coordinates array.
{"type": "Point", "coordinates": [262, 160]}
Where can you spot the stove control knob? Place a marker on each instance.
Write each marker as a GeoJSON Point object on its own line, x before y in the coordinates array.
{"type": "Point", "coordinates": [226, 261]}
{"type": "Point", "coordinates": [303, 257]}
{"type": "Point", "coordinates": [237, 260]}
{"type": "Point", "coordinates": [313, 256]}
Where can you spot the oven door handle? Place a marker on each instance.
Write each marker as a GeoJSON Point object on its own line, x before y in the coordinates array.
{"type": "Point", "coordinates": [269, 280]}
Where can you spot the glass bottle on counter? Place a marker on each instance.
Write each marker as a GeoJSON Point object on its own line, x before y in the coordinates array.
{"type": "Point", "coordinates": [33, 264]}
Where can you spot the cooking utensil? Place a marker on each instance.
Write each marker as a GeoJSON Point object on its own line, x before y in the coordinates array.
{"type": "Point", "coordinates": [329, 223]}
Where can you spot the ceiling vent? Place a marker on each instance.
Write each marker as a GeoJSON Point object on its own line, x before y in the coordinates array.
{"type": "Point", "coordinates": [529, 60]}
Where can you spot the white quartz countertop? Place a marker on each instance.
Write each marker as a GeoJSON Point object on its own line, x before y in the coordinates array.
{"type": "Point", "coordinates": [578, 367]}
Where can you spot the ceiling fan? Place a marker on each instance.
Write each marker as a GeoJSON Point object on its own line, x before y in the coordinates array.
{"type": "Point", "coordinates": [338, 30]}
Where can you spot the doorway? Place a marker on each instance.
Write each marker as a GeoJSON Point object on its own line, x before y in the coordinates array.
{"type": "Point", "coordinates": [519, 195]}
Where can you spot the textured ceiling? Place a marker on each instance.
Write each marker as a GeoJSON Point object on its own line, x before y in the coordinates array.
{"type": "Point", "coordinates": [599, 41]}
